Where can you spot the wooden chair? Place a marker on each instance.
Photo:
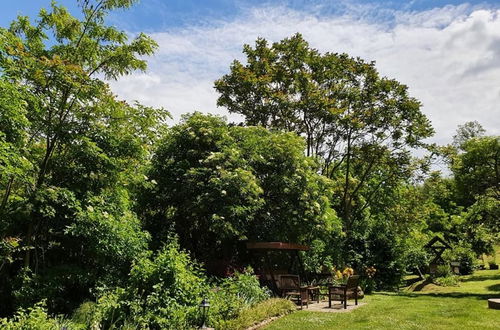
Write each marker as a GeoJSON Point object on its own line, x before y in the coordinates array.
{"type": "Point", "coordinates": [341, 292]}
{"type": "Point", "coordinates": [291, 288]}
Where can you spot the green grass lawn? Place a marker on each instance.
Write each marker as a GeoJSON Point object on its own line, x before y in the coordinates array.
{"type": "Point", "coordinates": [463, 307]}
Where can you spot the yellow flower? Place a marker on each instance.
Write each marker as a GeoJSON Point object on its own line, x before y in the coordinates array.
{"type": "Point", "coordinates": [348, 271]}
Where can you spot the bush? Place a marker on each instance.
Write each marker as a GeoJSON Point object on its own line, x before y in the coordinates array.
{"type": "Point", "coordinates": [33, 318]}
{"type": "Point", "coordinates": [385, 253]}
{"type": "Point", "coordinates": [464, 254]}
{"type": "Point", "coordinates": [451, 280]}
{"type": "Point", "coordinates": [233, 295]}
{"type": "Point", "coordinates": [258, 313]}
{"type": "Point", "coordinates": [442, 271]}
{"type": "Point", "coordinates": [162, 292]}
{"type": "Point", "coordinates": [444, 277]}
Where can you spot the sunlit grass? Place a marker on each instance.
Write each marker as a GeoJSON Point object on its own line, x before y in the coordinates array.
{"type": "Point", "coordinates": [462, 307]}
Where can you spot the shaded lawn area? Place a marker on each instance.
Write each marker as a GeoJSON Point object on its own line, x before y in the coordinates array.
{"type": "Point", "coordinates": [463, 307]}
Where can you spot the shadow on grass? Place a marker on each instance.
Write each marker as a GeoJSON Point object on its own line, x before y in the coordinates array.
{"type": "Point", "coordinates": [479, 296]}
{"type": "Point", "coordinates": [494, 287]}
{"type": "Point", "coordinates": [476, 278]}
{"type": "Point", "coordinates": [421, 285]}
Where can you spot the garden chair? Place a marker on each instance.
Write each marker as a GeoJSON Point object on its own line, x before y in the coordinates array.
{"type": "Point", "coordinates": [290, 288]}
{"type": "Point", "coordinates": [341, 292]}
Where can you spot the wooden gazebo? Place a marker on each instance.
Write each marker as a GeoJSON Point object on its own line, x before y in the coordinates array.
{"type": "Point", "coordinates": [268, 269]}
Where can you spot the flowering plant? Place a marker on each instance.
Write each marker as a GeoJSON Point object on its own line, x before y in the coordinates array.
{"type": "Point", "coordinates": [370, 271]}
{"type": "Point", "coordinates": [340, 277]}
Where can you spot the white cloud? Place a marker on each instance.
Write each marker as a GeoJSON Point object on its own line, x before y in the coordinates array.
{"type": "Point", "coordinates": [449, 57]}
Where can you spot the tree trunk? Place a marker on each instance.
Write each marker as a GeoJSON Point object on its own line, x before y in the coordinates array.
{"type": "Point", "coordinates": [7, 193]}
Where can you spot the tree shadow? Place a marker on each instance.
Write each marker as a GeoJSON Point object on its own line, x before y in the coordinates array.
{"type": "Point", "coordinates": [479, 296]}
{"type": "Point", "coordinates": [421, 285]}
{"type": "Point", "coordinates": [494, 287]}
{"type": "Point", "coordinates": [475, 278]}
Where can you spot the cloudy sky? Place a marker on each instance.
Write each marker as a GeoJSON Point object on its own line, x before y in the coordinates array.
{"type": "Point", "coordinates": [447, 52]}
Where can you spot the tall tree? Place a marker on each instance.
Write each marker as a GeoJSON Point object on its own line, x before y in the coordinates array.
{"type": "Point", "coordinates": [57, 61]}
{"type": "Point", "coordinates": [84, 150]}
{"type": "Point", "coordinates": [214, 184]}
{"type": "Point", "coordinates": [360, 124]}
{"type": "Point", "coordinates": [477, 169]}
{"type": "Point", "coordinates": [467, 131]}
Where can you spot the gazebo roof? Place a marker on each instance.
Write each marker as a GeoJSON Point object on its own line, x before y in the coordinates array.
{"type": "Point", "coordinates": [441, 243]}
{"type": "Point", "coordinates": [276, 246]}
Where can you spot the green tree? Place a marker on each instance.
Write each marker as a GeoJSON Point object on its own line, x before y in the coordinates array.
{"type": "Point", "coordinates": [467, 131]}
{"type": "Point", "coordinates": [477, 169]}
{"type": "Point", "coordinates": [14, 166]}
{"type": "Point", "coordinates": [74, 154]}
{"type": "Point", "coordinates": [200, 187]}
{"type": "Point", "coordinates": [358, 123]}
{"type": "Point", "coordinates": [214, 184]}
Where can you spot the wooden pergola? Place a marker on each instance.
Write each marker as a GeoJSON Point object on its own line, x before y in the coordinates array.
{"type": "Point", "coordinates": [263, 250]}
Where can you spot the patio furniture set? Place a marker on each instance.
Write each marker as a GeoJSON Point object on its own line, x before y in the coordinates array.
{"type": "Point", "coordinates": [276, 274]}
{"type": "Point", "coordinates": [291, 287]}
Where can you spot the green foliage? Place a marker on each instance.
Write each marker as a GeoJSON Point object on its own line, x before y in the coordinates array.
{"type": "Point", "coordinates": [359, 125]}
{"type": "Point", "coordinates": [33, 318]}
{"type": "Point", "coordinates": [233, 295]}
{"type": "Point", "coordinates": [200, 186]}
{"type": "Point", "coordinates": [71, 155]}
{"type": "Point", "coordinates": [414, 255]}
{"type": "Point", "coordinates": [110, 231]}
{"type": "Point", "coordinates": [450, 280]}
{"type": "Point", "coordinates": [258, 313]}
{"type": "Point", "coordinates": [466, 132]}
{"type": "Point", "coordinates": [476, 169]}
{"type": "Point", "coordinates": [318, 259]}
{"type": "Point", "coordinates": [385, 253]}
{"type": "Point", "coordinates": [442, 271]}
{"type": "Point", "coordinates": [214, 184]}
{"type": "Point", "coordinates": [297, 205]}
{"type": "Point", "coordinates": [162, 292]}
{"type": "Point", "coordinates": [462, 253]}
{"type": "Point", "coordinates": [444, 276]}
{"type": "Point", "coordinates": [83, 175]}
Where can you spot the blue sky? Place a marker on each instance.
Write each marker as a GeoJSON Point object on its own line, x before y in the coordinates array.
{"type": "Point", "coordinates": [157, 15]}
{"type": "Point", "coordinates": [447, 52]}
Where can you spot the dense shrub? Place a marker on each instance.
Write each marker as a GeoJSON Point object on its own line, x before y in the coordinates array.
{"type": "Point", "coordinates": [234, 294]}
{"type": "Point", "coordinates": [163, 292]}
{"type": "Point", "coordinates": [463, 254]}
{"type": "Point", "coordinates": [416, 258]}
{"type": "Point", "coordinates": [220, 183]}
{"type": "Point", "coordinates": [444, 277]}
{"type": "Point", "coordinates": [442, 271]}
{"type": "Point", "coordinates": [450, 280]}
{"type": "Point", "coordinates": [385, 253]}
{"type": "Point", "coordinates": [33, 318]}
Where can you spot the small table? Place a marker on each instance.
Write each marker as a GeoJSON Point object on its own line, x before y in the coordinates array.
{"type": "Point", "coordinates": [313, 292]}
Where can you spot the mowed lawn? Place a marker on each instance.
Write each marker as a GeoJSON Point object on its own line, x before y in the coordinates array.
{"type": "Point", "coordinates": [463, 307]}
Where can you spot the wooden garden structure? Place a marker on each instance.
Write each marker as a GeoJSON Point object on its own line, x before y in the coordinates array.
{"type": "Point", "coordinates": [437, 245]}
{"type": "Point", "coordinates": [276, 260]}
